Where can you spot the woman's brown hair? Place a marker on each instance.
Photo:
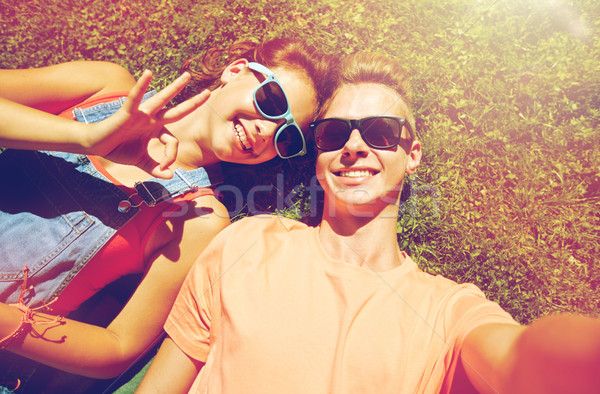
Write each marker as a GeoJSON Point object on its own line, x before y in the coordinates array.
{"type": "Point", "coordinates": [291, 54]}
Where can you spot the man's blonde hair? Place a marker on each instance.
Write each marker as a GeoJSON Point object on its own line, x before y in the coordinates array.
{"type": "Point", "coordinates": [362, 67]}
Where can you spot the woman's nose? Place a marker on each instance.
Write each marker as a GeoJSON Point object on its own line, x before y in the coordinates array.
{"type": "Point", "coordinates": [266, 129]}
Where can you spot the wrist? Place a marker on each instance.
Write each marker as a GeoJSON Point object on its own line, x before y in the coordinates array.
{"type": "Point", "coordinates": [83, 137]}
{"type": "Point", "coordinates": [9, 319]}
{"type": "Point", "coordinates": [13, 325]}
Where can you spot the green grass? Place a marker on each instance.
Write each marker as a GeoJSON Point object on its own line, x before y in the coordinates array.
{"type": "Point", "coordinates": [507, 103]}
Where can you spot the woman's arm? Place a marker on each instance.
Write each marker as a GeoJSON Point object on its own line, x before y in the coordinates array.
{"type": "Point", "coordinates": [102, 353]}
{"type": "Point", "coordinates": [55, 88]}
{"type": "Point", "coordinates": [171, 371]}
{"type": "Point", "coordinates": [29, 97]}
{"type": "Point", "coordinates": [555, 354]}
{"type": "Point", "coordinates": [122, 138]}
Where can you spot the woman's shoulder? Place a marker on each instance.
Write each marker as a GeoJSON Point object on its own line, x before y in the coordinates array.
{"type": "Point", "coordinates": [203, 211]}
{"type": "Point", "coordinates": [189, 225]}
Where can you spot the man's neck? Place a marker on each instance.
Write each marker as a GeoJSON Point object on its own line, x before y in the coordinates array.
{"type": "Point", "coordinates": [367, 242]}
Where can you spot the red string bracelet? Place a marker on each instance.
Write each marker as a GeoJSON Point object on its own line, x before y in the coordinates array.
{"type": "Point", "coordinates": [27, 319]}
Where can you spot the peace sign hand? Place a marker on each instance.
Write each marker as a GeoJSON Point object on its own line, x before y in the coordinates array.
{"type": "Point", "coordinates": [125, 136]}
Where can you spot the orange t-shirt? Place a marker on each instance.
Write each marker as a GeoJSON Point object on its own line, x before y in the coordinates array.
{"type": "Point", "coordinates": [273, 313]}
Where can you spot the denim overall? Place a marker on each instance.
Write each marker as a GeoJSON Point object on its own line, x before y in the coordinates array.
{"type": "Point", "coordinates": [57, 210]}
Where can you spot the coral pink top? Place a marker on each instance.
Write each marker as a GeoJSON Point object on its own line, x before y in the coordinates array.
{"type": "Point", "coordinates": [123, 254]}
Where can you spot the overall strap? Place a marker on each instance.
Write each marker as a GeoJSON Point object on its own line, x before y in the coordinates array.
{"type": "Point", "coordinates": [155, 190]}
{"type": "Point", "coordinates": [152, 191]}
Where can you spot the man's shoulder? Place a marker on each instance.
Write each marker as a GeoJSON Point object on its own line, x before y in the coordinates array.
{"type": "Point", "coordinates": [440, 285]}
{"type": "Point", "coordinates": [267, 223]}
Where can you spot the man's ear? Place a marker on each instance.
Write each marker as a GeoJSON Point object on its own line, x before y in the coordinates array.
{"type": "Point", "coordinates": [414, 157]}
{"type": "Point", "coordinates": [233, 70]}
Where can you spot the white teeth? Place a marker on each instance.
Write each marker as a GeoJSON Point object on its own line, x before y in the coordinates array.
{"type": "Point", "coordinates": [241, 136]}
{"type": "Point", "coordinates": [356, 173]}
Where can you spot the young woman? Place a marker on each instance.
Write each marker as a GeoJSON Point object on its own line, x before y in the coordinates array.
{"type": "Point", "coordinates": [71, 224]}
{"type": "Point", "coordinates": [339, 308]}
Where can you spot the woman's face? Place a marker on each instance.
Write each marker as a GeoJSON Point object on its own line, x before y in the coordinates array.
{"type": "Point", "coordinates": [238, 132]}
{"type": "Point", "coordinates": [357, 178]}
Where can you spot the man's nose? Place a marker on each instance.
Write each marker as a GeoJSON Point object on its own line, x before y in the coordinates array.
{"type": "Point", "coordinates": [355, 146]}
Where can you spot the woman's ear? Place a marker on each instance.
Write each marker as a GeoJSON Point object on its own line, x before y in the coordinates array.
{"type": "Point", "coordinates": [414, 157]}
{"type": "Point", "coordinates": [233, 70]}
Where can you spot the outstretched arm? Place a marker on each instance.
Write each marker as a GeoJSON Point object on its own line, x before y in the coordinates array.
{"type": "Point", "coordinates": [556, 354]}
{"type": "Point", "coordinates": [105, 352]}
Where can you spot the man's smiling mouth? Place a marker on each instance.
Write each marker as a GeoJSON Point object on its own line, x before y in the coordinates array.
{"type": "Point", "coordinates": [355, 173]}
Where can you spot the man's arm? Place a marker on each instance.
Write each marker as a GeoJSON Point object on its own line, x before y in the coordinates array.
{"type": "Point", "coordinates": [171, 371]}
{"type": "Point", "coordinates": [559, 353]}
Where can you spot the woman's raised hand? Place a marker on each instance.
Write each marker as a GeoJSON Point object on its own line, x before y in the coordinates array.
{"type": "Point", "coordinates": [126, 136]}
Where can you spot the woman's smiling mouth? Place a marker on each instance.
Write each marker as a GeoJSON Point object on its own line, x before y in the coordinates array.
{"type": "Point", "coordinates": [242, 137]}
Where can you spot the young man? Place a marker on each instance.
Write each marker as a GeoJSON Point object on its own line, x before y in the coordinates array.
{"type": "Point", "coordinates": [274, 306]}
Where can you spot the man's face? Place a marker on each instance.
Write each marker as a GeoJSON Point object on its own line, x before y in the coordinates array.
{"type": "Point", "coordinates": [358, 179]}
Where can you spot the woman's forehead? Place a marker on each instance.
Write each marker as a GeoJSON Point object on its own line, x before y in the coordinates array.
{"type": "Point", "coordinates": [354, 101]}
{"type": "Point", "coordinates": [300, 93]}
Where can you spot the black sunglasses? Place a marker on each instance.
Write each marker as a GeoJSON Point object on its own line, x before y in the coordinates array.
{"type": "Point", "coordinates": [379, 132]}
